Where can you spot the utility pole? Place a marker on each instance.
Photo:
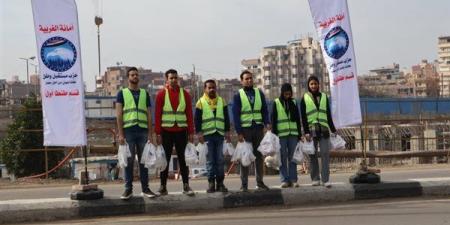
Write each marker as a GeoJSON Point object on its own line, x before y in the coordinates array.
{"type": "Point", "coordinates": [35, 72]}
{"type": "Point", "coordinates": [194, 80]}
{"type": "Point", "coordinates": [98, 21]}
{"type": "Point", "coordinates": [28, 73]}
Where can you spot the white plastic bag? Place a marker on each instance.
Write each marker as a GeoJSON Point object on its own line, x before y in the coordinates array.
{"type": "Point", "coordinates": [123, 154]}
{"type": "Point", "coordinates": [298, 156]}
{"type": "Point", "coordinates": [148, 157]}
{"type": "Point", "coordinates": [273, 161]}
{"type": "Point", "coordinates": [202, 149]}
{"type": "Point", "coordinates": [308, 147]}
{"type": "Point", "coordinates": [236, 156]}
{"type": "Point", "coordinates": [246, 153]}
{"type": "Point", "coordinates": [337, 142]}
{"type": "Point", "coordinates": [160, 158]}
{"type": "Point", "coordinates": [270, 144]}
{"type": "Point", "coordinates": [190, 155]}
{"type": "Point", "coordinates": [228, 148]}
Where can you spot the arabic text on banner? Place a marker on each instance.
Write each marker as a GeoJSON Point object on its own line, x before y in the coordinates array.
{"type": "Point", "coordinates": [332, 23]}
{"type": "Point", "coordinates": [58, 44]}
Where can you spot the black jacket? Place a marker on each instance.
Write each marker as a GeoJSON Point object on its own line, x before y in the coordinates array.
{"type": "Point", "coordinates": [293, 112]}
{"type": "Point", "coordinates": [305, 119]}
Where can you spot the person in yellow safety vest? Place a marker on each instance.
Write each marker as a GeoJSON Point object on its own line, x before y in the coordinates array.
{"type": "Point", "coordinates": [317, 124]}
{"type": "Point", "coordinates": [174, 127]}
{"type": "Point", "coordinates": [251, 117]}
{"type": "Point", "coordinates": [286, 124]}
{"type": "Point", "coordinates": [134, 124]}
{"type": "Point", "coordinates": [212, 124]}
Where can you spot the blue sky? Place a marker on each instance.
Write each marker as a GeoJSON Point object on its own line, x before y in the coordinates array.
{"type": "Point", "coordinates": [216, 35]}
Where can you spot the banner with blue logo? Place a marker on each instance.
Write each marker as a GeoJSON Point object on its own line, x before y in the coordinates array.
{"type": "Point", "coordinates": [62, 88]}
{"type": "Point", "coordinates": [332, 23]}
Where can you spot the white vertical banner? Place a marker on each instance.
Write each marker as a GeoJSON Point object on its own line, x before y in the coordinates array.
{"type": "Point", "coordinates": [62, 88]}
{"type": "Point", "coordinates": [332, 23]}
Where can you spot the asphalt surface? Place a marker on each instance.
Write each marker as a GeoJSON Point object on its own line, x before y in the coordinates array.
{"type": "Point", "coordinates": [385, 212]}
{"type": "Point", "coordinates": [233, 183]}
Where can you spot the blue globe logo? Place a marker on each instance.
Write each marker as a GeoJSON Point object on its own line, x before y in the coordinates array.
{"type": "Point", "coordinates": [58, 54]}
{"type": "Point", "coordinates": [336, 42]}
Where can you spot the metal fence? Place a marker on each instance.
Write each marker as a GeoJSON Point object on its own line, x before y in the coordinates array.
{"type": "Point", "coordinates": [401, 126]}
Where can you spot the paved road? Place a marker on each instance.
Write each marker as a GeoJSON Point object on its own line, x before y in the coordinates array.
{"type": "Point", "coordinates": [393, 212]}
{"type": "Point", "coordinates": [233, 183]}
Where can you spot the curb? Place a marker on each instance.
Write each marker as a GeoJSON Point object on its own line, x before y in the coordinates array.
{"type": "Point", "coordinates": [33, 210]}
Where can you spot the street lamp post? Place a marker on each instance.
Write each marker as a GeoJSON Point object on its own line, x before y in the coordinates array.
{"type": "Point", "coordinates": [98, 21]}
{"type": "Point", "coordinates": [35, 73]}
{"type": "Point", "coordinates": [28, 73]}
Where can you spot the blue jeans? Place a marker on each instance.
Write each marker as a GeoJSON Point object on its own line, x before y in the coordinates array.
{"type": "Point", "coordinates": [214, 157]}
{"type": "Point", "coordinates": [288, 169]}
{"type": "Point", "coordinates": [136, 139]}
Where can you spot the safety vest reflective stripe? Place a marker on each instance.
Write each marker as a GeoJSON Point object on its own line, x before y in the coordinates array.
{"type": "Point", "coordinates": [313, 114]}
{"type": "Point", "coordinates": [249, 114]}
{"type": "Point", "coordinates": [213, 123]}
{"type": "Point", "coordinates": [284, 125]}
{"type": "Point", "coordinates": [171, 117]}
{"type": "Point", "coordinates": [132, 114]}
{"type": "Point", "coordinates": [134, 122]}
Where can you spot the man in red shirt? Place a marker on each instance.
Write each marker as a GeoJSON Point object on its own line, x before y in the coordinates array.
{"type": "Point", "coordinates": [174, 126]}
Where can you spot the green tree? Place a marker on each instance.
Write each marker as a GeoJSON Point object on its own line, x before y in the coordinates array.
{"type": "Point", "coordinates": [22, 163]}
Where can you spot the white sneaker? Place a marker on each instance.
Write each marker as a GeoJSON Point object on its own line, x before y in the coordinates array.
{"type": "Point", "coordinates": [315, 183]}
{"type": "Point", "coordinates": [327, 184]}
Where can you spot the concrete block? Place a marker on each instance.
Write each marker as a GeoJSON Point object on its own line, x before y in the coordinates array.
{"type": "Point", "coordinates": [180, 202]}
{"type": "Point", "coordinates": [318, 194]}
{"type": "Point", "coordinates": [253, 198]}
{"type": "Point", "coordinates": [16, 211]}
{"type": "Point", "coordinates": [387, 190]}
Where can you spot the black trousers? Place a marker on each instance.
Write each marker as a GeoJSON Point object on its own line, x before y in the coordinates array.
{"type": "Point", "coordinates": [253, 135]}
{"type": "Point", "coordinates": [179, 140]}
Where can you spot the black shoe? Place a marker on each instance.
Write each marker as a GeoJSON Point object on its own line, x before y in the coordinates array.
{"type": "Point", "coordinates": [148, 193]}
{"type": "Point", "coordinates": [244, 188]}
{"type": "Point", "coordinates": [262, 187]}
{"type": "Point", "coordinates": [211, 187]}
{"type": "Point", "coordinates": [162, 190]}
{"type": "Point", "coordinates": [187, 190]}
{"type": "Point", "coordinates": [127, 194]}
{"type": "Point", "coordinates": [221, 188]}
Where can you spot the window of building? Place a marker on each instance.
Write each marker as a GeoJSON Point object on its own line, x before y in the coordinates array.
{"type": "Point", "coordinates": [406, 142]}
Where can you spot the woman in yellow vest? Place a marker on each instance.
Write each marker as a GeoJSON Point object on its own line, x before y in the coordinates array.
{"type": "Point", "coordinates": [317, 124]}
{"type": "Point", "coordinates": [286, 124]}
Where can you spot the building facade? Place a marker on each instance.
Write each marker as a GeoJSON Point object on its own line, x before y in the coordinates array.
{"type": "Point", "coordinates": [444, 65]}
{"type": "Point", "coordinates": [292, 63]}
{"type": "Point", "coordinates": [115, 78]}
{"type": "Point", "coordinates": [421, 81]}
{"type": "Point", "coordinates": [424, 79]}
{"type": "Point", "coordinates": [227, 88]}
{"type": "Point", "coordinates": [386, 81]}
